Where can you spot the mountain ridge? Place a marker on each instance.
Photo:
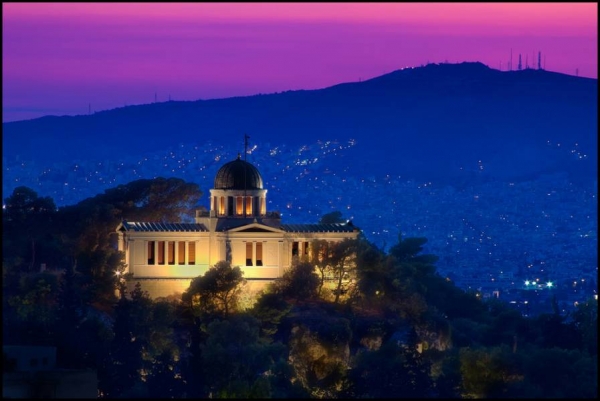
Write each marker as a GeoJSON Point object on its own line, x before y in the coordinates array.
{"type": "Point", "coordinates": [451, 114]}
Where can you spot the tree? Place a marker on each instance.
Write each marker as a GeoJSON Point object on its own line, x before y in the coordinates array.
{"type": "Point", "coordinates": [371, 271]}
{"type": "Point", "coordinates": [393, 371]}
{"type": "Point", "coordinates": [162, 358]}
{"type": "Point", "coordinates": [235, 361]}
{"type": "Point", "coordinates": [560, 373]}
{"type": "Point", "coordinates": [299, 282]}
{"type": "Point", "coordinates": [337, 259]}
{"type": "Point", "coordinates": [270, 308]}
{"type": "Point", "coordinates": [319, 344]}
{"type": "Point", "coordinates": [32, 312]}
{"type": "Point", "coordinates": [217, 291]}
{"type": "Point", "coordinates": [489, 372]}
{"type": "Point", "coordinates": [408, 276]}
{"type": "Point", "coordinates": [320, 259]}
{"type": "Point", "coordinates": [585, 320]}
{"type": "Point", "coordinates": [343, 264]}
{"type": "Point", "coordinates": [333, 217]}
{"type": "Point", "coordinates": [132, 330]}
{"type": "Point", "coordinates": [28, 219]}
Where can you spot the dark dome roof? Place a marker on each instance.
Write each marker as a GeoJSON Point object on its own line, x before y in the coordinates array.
{"type": "Point", "coordinates": [238, 174]}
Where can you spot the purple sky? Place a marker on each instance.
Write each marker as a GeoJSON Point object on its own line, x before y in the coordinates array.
{"type": "Point", "coordinates": [59, 58]}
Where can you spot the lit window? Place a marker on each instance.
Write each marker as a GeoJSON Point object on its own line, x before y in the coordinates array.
{"type": "Point", "coordinates": [181, 252]}
{"type": "Point", "coordinates": [248, 205]}
{"type": "Point", "coordinates": [263, 206]}
{"type": "Point", "coordinates": [248, 253]}
{"type": "Point", "coordinates": [151, 256]}
{"type": "Point", "coordinates": [161, 252]}
{"type": "Point", "coordinates": [171, 252]}
{"type": "Point", "coordinates": [239, 210]}
{"type": "Point", "coordinates": [192, 253]}
{"type": "Point", "coordinates": [222, 206]}
{"type": "Point", "coordinates": [259, 261]}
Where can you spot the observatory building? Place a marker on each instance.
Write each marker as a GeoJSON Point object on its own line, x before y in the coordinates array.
{"type": "Point", "coordinates": [165, 257]}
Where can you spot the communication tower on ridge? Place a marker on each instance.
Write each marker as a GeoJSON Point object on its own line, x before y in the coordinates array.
{"type": "Point", "coordinates": [519, 67]}
{"type": "Point", "coordinates": [539, 60]}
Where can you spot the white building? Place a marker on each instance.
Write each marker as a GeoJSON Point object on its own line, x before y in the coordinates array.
{"type": "Point", "coordinates": [165, 257]}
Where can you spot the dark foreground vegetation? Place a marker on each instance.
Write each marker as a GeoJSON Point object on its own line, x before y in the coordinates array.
{"type": "Point", "coordinates": [356, 322]}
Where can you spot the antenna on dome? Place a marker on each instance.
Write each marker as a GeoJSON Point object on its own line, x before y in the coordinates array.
{"type": "Point", "coordinates": [246, 137]}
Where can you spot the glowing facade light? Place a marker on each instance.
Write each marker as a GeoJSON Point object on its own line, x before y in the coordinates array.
{"type": "Point", "coordinates": [527, 282]}
{"type": "Point", "coordinates": [549, 284]}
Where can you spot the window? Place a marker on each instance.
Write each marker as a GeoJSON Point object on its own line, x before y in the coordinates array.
{"type": "Point", "coordinates": [222, 206]}
{"type": "Point", "coordinates": [263, 207]}
{"type": "Point", "coordinates": [181, 252]}
{"type": "Point", "coordinates": [161, 252]}
{"type": "Point", "coordinates": [239, 205]}
{"type": "Point", "coordinates": [33, 362]}
{"type": "Point", "coordinates": [230, 206]}
{"type": "Point", "coordinates": [248, 206]}
{"type": "Point", "coordinates": [248, 253]}
{"type": "Point", "coordinates": [306, 248]}
{"type": "Point", "coordinates": [295, 249]}
{"type": "Point", "coordinates": [171, 252]}
{"type": "Point", "coordinates": [259, 246]}
{"type": "Point", "coordinates": [151, 257]}
{"type": "Point", "coordinates": [192, 253]}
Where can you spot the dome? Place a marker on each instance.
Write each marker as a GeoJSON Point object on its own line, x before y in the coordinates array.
{"type": "Point", "coordinates": [238, 174]}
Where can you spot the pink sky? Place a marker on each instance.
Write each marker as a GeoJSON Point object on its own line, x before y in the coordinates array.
{"type": "Point", "coordinates": [58, 58]}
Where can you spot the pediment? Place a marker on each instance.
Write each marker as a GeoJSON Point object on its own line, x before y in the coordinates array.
{"type": "Point", "coordinates": [255, 228]}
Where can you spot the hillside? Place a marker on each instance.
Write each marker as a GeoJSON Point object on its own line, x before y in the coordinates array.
{"type": "Point", "coordinates": [424, 122]}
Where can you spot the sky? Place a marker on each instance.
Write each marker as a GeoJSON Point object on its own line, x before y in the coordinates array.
{"type": "Point", "coordinates": [70, 58]}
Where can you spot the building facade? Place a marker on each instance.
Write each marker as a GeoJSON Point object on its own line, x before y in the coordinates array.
{"type": "Point", "coordinates": [165, 257]}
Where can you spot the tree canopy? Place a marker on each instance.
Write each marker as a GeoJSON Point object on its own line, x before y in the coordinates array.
{"type": "Point", "coordinates": [217, 291]}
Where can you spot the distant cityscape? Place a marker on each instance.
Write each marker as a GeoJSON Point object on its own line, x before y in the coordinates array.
{"type": "Point", "coordinates": [522, 242]}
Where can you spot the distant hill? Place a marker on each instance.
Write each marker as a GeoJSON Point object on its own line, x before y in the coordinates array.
{"type": "Point", "coordinates": [429, 121]}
